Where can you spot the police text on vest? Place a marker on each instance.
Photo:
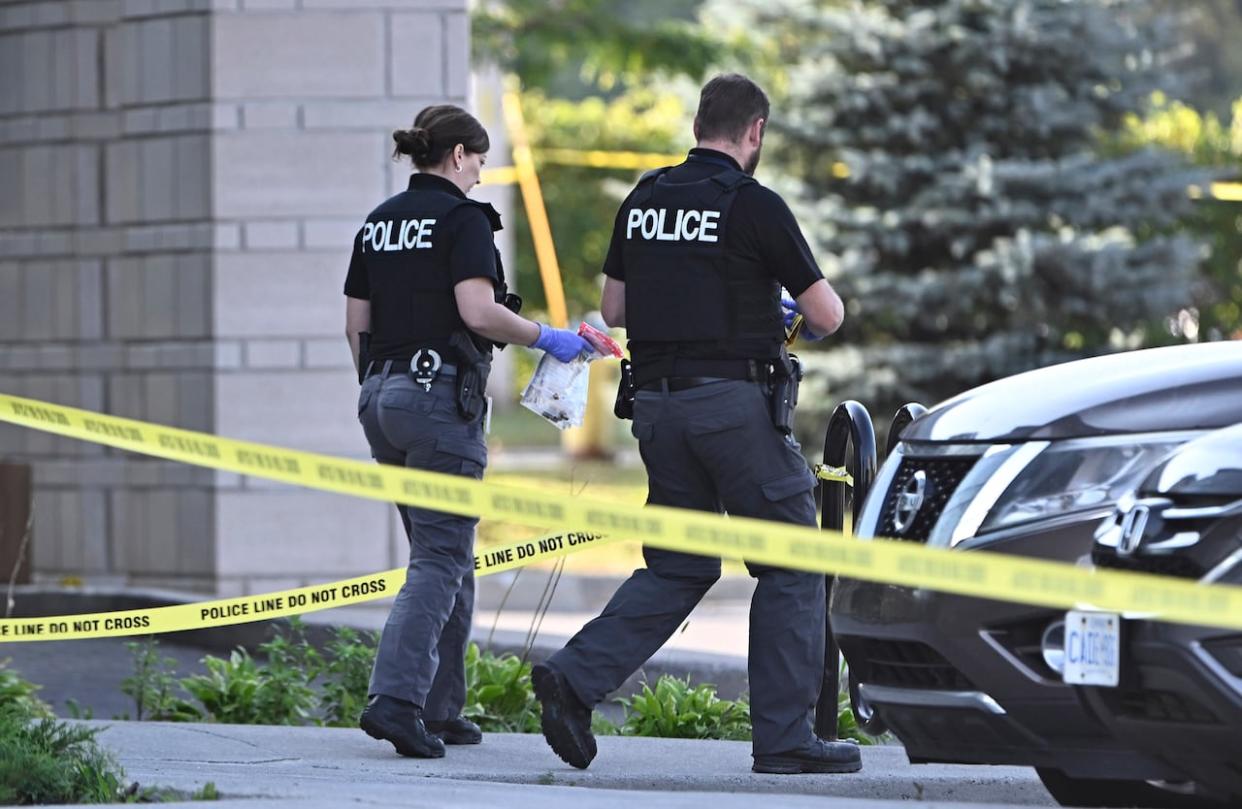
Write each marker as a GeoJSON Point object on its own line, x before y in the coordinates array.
{"type": "Point", "coordinates": [408, 234]}
{"type": "Point", "coordinates": [687, 226]}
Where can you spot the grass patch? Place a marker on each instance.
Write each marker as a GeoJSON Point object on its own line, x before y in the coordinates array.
{"type": "Point", "coordinates": [43, 760]}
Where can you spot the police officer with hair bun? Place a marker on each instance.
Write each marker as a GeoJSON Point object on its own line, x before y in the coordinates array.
{"type": "Point", "coordinates": [426, 303]}
{"type": "Point", "coordinates": [699, 254]}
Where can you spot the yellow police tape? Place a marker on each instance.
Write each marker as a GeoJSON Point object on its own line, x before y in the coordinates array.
{"type": "Point", "coordinates": [835, 474]}
{"type": "Point", "coordinates": [266, 606]}
{"type": "Point", "coordinates": [981, 574]}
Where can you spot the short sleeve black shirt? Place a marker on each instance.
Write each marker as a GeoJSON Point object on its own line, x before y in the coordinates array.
{"type": "Point", "coordinates": [463, 244]}
{"type": "Point", "coordinates": [763, 228]}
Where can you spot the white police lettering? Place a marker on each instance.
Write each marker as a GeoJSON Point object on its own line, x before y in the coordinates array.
{"type": "Point", "coordinates": [408, 234]}
{"type": "Point", "coordinates": [683, 226]}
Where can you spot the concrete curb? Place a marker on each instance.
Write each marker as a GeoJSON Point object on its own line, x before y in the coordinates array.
{"type": "Point", "coordinates": [343, 764]}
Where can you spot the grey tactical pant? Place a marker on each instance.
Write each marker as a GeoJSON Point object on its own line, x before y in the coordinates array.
{"type": "Point", "coordinates": [713, 448]}
{"type": "Point", "coordinates": [421, 656]}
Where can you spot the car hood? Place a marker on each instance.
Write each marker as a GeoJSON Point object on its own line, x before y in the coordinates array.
{"type": "Point", "coordinates": [1191, 387]}
{"type": "Point", "coordinates": [1210, 466]}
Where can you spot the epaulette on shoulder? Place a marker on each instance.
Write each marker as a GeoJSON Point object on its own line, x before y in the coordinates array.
{"type": "Point", "coordinates": [493, 216]}
{"type": "Point", "coordinates": [733, 179]}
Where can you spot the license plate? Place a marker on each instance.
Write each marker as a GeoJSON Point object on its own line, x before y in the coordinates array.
{"type": "Point", "coordinates": [1092, 648]}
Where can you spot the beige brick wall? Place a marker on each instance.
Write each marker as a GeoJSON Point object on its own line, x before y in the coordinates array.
{"type": "Point", "coordinates": [182, 181]}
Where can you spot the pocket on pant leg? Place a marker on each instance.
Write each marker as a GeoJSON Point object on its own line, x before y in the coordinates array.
{"type": "Point", "coordinates": [788, 485]}
{"type": "Point", "coordinates": [461, 456]}
{"type": "Point", "coordinates": [722, 421]}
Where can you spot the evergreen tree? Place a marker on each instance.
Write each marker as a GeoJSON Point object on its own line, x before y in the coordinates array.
{"type": "Point", "coordinates": [979, 230]}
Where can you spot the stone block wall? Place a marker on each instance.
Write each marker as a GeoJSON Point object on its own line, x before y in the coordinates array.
{"type": "Point", "coordinates": [180, 182]}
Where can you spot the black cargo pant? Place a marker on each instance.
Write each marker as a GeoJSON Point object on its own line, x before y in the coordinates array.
{"type": "Point", "coordinates": [713, 448]}
{"type": "Point", "coordinates": [421, 656]}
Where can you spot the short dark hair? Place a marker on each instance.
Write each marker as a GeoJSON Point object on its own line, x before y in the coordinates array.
{"type": "Point", "coordinates": [437, 129]}
{"type": "Point", "coordinates": [728, 104]}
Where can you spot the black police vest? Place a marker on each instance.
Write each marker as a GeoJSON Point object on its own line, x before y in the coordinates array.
{"type": "Point", "coordinates": [412, 298]}
{"type": "Point", "coordinates": [683, 285]}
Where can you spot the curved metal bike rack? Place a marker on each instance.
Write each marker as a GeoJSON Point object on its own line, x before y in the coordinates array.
{"type": "Point", "coordinates": [850, 426]}
{"type": "Point", "coordinates": [901, 419]}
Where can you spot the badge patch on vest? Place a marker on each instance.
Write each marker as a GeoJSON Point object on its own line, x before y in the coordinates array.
{"type": "Point", "coordinates": [658, 224]}
{"type": "Point", "coordinates": [392, 236]}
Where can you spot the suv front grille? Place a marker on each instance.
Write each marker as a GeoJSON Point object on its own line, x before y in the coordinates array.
{"type": "Point", "coordinates": [905, 664]}
{"type": "Point", "coordinates": [944, 474]}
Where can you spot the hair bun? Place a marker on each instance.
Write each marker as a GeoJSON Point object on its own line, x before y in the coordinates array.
{"type": "Point", "coordinates": [415, 142]}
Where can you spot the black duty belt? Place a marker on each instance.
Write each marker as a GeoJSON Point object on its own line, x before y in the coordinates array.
{"type": "Point", "coordinates": [691, 373]}
{"type": "Point", "coordinates": [403, 366]}
{"type": "Point", "coordinates": [682, 382]}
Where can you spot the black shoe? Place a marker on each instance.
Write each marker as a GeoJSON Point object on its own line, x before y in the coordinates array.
{"type": "Point", "coordinates": [566, 722]}
{"type": "Point", "coordinates": [458, 730]}
{"type": "Point", "coordinates": [819, 756]}
{"type": "Point", "coordinates": [400, 722]}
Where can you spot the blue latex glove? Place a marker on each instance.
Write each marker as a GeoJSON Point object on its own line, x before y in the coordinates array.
{"type": "Point", "coordinates": [563, 344]}
{"type": "Point", "coordinates": [791, 311]}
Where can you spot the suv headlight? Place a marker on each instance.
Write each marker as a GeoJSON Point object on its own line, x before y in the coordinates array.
{"type": "Point", "coordinates": [1077, 475]}
{"type": "Point", "coordinates": [1014, 484]}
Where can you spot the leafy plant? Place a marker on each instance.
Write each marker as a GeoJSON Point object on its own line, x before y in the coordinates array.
{"type": "Point", "coordinates": [675, 709]}
{"type": "Point", "coordinates": [499, 695]}
{"type": "Point", "coordinates": [603, 726]}
{"type": "Point", "coordinates": [237, 690]}
{"type": "Point", "coordinates": [76, 711]}
{"type": "Point", "coordinates": [19, 693]}
{"type": "Point", "coordinates": [349, 657]}
{"type": "Point", "coordinates": [153, 686]}
{"type": "Point", "coordinates": [45, 761]}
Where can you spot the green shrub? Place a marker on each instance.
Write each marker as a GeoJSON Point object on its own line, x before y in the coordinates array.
{"type": "Point", "coordinates": [499, 695]}
{"type": "Point", "coordinates": [676, 710]}
{"type": "Point", "coordinates": [348, 657]}
{"type": "Point", "coordinates": [20, 694]}
{"type": "Point", "coordinates": [45, 761]}
{"type": "Point", "coordinates": [238, 691]}
{"type": "Point", "coordinates": [153, 686]}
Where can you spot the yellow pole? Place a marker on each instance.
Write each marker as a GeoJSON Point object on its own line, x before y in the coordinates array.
{"type": "Point", "coordinates": [536, 213]}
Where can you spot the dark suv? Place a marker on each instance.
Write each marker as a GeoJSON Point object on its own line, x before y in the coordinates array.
{"type": "Point", "coordinates": [1179, 690]}
{"type": "Point", "coordinates": [1028, 465]}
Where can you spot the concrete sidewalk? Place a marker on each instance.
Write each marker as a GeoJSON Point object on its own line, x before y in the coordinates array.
{"type": "Point", "coordinates": [330, 767]}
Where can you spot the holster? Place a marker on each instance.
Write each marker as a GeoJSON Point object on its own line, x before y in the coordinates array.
{"type": "Point", "coordinates": [473, 368]}
{"type": "Point", "coordinates": [624, 406]}
{"type": "Point", "coordinates": [786, 376]}
{"type": "Point", "coordinates": [364, 354]}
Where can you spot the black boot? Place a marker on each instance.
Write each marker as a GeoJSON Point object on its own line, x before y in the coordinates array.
{"type": "Point", "coordinates": [566, 722]}
{"type": "Point", "coordinates": [395, 720]}
{"type": "Point", "coordinates": [818, 756]}
{"type": "Point", "coordinates": [458, 730]}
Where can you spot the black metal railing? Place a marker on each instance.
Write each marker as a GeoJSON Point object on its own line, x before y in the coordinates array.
{"type": "Point", "coordinates": [850, 428]}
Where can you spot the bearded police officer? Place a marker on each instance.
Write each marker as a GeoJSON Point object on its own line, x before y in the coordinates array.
{"type": "Point", "coordinates": [426, 302]}
{"type": "Point", "coordinates": [699, 254]}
